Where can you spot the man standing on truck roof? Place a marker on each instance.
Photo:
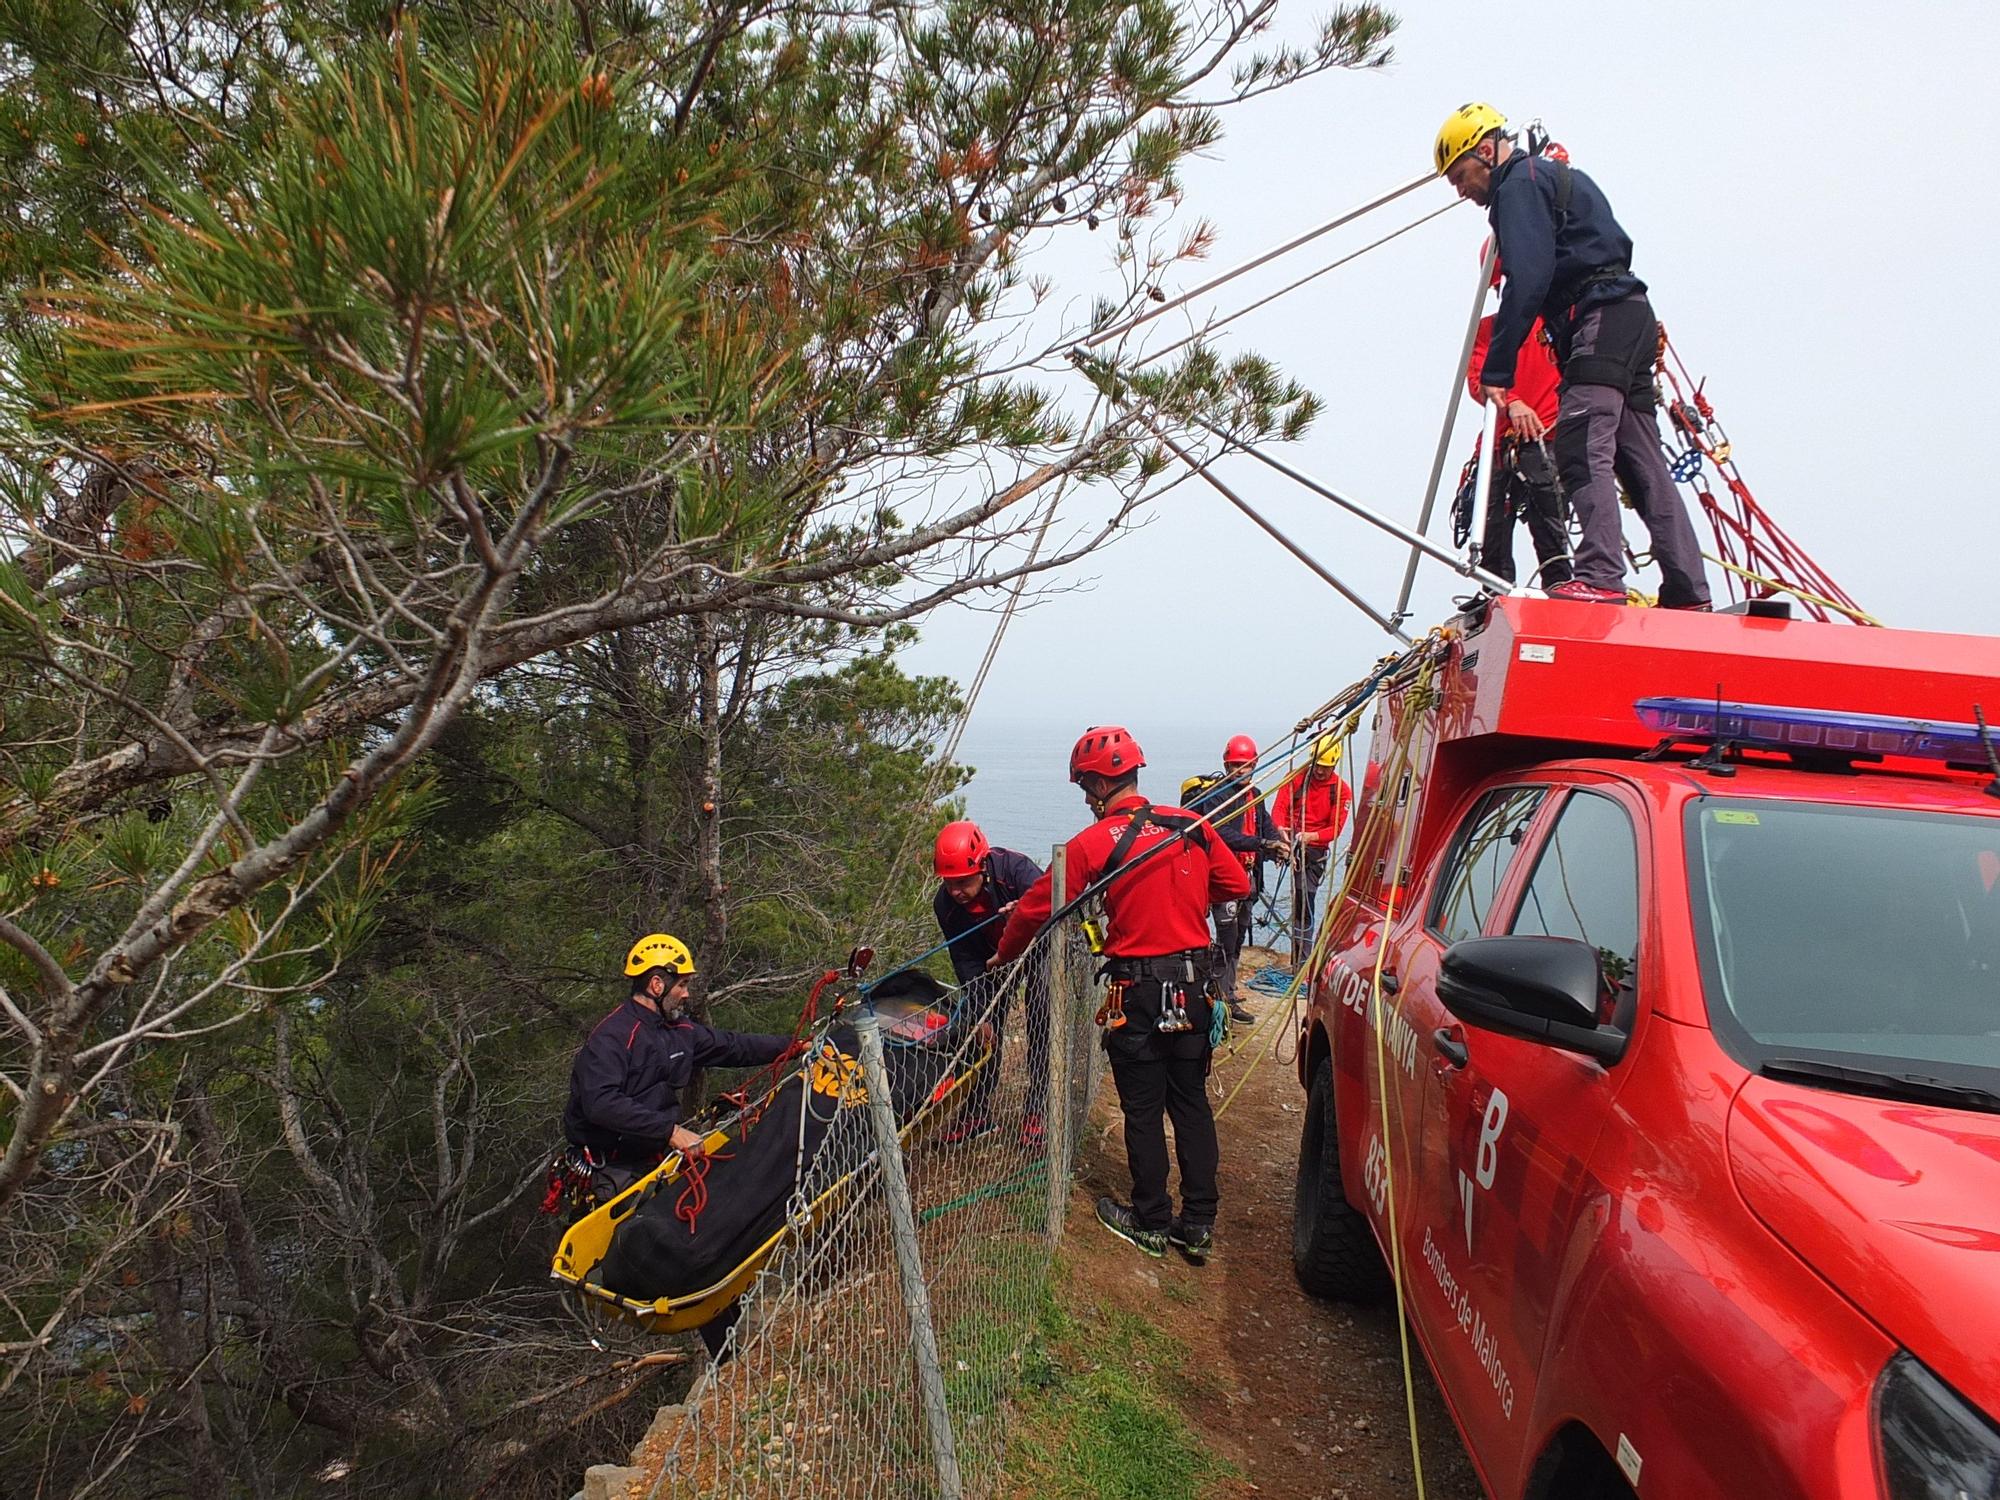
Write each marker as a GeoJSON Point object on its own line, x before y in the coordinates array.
{"type": "Point", "coordinates": [1524, 472]}
{"type": "Point", "coordinates": [1235, 809]}
{"type": "Point", "coordinates": [1166, 869]}
{"type": "Point", "coordinates": [624, 1110]}
{"type": "Point", "coordinates": [978, 887]}
{"type": "Point", "coordinates": [1310, 809]}
{"type": "Point", "coordinates": [1569, 263]}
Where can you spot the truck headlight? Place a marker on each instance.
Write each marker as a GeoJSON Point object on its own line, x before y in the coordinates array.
{"type": "Point", "coordinates": [1935, 1444]}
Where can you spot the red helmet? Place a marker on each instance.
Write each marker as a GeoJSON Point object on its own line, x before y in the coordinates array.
{"type": "Point", "coordinates": [1105, 750]}
{"type": "Point", "coordinates": [961, 850]}
{"type": "Point", "coordinates": [1239, 751]}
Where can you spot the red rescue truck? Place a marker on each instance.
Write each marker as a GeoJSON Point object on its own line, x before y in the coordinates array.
{"type": "Point", "coordinates": [1658, 1054]}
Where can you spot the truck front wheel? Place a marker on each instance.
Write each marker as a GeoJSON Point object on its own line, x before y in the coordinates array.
{"type": "Point", "coordinates": [1334, 1253]}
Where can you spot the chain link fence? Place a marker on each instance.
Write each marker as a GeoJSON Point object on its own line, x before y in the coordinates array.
{"type": "Point", "coordinates": [878, 1347]}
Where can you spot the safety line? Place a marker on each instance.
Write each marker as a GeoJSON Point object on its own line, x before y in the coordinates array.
{"type": "Point", "coordinates": [1388, 787]}
{"type": "Point", "coordinates": [1209, 330]}
{"type": "Point", "coordinates": [1204, 820]}
{"type": "Point", "coordinates": [945, 751]}
{"type": "Point", "coordinates": [1362, 836]}
{"type": "Point", "coordinates": [1852, 611]}
{"type": "Point", "coordinates": [1290, 245]}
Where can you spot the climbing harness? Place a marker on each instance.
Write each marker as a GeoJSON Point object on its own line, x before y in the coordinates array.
{"type": "Point", "coordinates": [568, 1181]}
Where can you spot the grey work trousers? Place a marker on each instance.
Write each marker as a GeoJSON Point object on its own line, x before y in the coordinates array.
{"type": "Point", "coordinates": [1607, 434]}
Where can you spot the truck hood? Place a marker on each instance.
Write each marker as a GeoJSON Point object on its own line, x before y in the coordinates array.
{"type": "Point", "coordinates": [1896, 1205]}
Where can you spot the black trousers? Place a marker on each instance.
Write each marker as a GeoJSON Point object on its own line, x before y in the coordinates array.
{"type": "Point", "coordinates": [609, 1179]}
{"type": "Point", "coordinates": [1166, 1075]}
{"type": "Point", "coordinates": [1524, 484]}
{"type": "Point", "coordinates": [1232, 931]}
{"type": "Point", "coordinates": [1035, 998]}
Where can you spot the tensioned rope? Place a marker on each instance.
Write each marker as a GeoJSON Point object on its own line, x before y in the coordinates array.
{"type": "Point", "coordinates": [944, 752]}
{"type": "Point", "coordinates": [1208, 330]}
{"type": "Point", "coordinates": [1138, 320]}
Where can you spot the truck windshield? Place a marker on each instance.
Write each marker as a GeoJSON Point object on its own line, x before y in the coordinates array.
{"type": "Point", "coordinates": [1870, 934]}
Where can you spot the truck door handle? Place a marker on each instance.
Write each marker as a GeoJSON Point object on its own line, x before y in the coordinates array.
{"type": "Point", "coordinates": [1450, 1043]}
{"type": "Point", "coordinates": [1390, 983]}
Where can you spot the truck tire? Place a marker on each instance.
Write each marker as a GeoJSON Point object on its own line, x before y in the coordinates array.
{"type": "Point", "coordinates": [1334, 1253]}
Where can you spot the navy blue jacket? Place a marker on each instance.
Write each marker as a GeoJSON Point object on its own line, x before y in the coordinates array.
{"type": "Point", "coordinates": [1222, 803]}
{"type": "Point", "coordinates": [1008, 876]}
{"type": "Point", "coordinates": [625, 1086]}
{"type": "Point", "coordinates": [1549, 258]}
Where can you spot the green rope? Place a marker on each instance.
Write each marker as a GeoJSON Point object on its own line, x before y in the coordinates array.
{"type": "Point", "coordinates": [1017, 1182]}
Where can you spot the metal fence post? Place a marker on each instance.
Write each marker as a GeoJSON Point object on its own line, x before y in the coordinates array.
{"type": "Point", "coordinates": [1059, 983]}
{"type": "Point", "coordinates": [909, 1264]}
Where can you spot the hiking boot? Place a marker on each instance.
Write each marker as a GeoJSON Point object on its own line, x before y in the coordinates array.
{"type": "Point", "coordinates": [1701, 606]}
{"type": "Point", "coordinates": [1578, 592]}
{"type": "Point", "coordinates": [969, 1129]}
{"type": "Point", "coordinates": [1196, 1242]}
{"type": "Point", "coordinates": [1032, 1134]}
{"type": "Point", "coordinates": [1117, 1218]}
{"type": "Point", "coordinates": [1238, 1011]}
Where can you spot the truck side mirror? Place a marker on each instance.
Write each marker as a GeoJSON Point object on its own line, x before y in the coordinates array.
{"type": "Point", "coordinates": [1540, 989]}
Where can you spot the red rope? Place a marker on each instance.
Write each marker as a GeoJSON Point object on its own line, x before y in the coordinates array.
{"type": "Point", "coordinates": [695, 1163]}
{"type": "Point", "coordinates": [1760, 544]}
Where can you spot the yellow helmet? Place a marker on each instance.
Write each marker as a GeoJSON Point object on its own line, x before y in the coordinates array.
{"type": "Point", "coordinates": [658, 950]}
{"type": "Point", "coordinates": [1326, 751]}
{"type": "Point", "coordinates": [1468, 126]}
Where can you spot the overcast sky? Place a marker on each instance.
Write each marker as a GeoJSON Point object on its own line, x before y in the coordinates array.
{"type": "Point", "coordinates": [1809, 192]}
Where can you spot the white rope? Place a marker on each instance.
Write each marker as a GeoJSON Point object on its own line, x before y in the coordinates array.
{"type": "Point", "coordinates": [1208, 330]}
{"type": "Point", "coordinates": [1141, 319]}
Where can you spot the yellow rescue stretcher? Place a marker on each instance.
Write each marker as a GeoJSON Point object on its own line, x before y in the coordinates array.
{"type": "Point", "coordinates": [588, 1240]}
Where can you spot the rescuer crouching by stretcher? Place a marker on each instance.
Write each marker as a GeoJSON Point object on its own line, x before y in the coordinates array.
{"type": "Point", "coordinates": [624, 1110]}
{"type": "Point", "coordinates": [978, 887]}
{"type": "Point", "coordinates": [1159, 1023]}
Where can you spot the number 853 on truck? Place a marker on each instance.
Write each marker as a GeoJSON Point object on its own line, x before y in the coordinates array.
{"type": "Point", "coordinates": [1654, 1058]}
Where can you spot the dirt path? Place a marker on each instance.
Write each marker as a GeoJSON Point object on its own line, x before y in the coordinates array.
{"type": "Point", "coordinates": [1311, 1400]}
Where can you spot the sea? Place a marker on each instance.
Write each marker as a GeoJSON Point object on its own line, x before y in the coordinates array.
{"type": "Point", "coordinates": [1020, 794]}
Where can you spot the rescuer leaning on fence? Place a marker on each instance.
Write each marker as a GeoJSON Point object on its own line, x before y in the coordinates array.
{"type": "Point", "coordinates": [979, 885]}
{"type": "Point", "coordinates": [624, 1110]}
{"type": "Point", "coordinates": [1159, 1024]}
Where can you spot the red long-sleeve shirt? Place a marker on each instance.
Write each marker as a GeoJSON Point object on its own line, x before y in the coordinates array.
{"type": "Point", "coordinates": [1324, 806]}
{"type": "Point", "coordinates": [1160, 906]}
{"type": "Point", "coordinates": [1537, 381]}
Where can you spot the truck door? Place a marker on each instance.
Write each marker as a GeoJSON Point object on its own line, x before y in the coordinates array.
{"type": "Point", "coordinates": [1509, 1130]}
{"type": "Point", "coordinates": [1463, 901]}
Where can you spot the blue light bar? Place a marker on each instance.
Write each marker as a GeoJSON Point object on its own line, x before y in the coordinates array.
{"type": "Point", "coordinates": [1763, 724]}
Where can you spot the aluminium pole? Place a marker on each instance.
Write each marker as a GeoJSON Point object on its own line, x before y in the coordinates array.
{"type": "Point", "coordinates": [1402, 610]}
{"type": "Point", "coordinates": [1279, 537]}
{"type": "Point", "coordinates": [1373, 517]}
{"type": "Point", "coordinates": [1482, 482]}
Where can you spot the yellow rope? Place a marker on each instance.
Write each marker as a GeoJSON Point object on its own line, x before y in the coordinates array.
{"type": "Point", "coordinates": [1388, 787]}
{"type": "Point", "coordinates": [1849, 610]}
{"type": "Point", "coordinates": [1392, 772]}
